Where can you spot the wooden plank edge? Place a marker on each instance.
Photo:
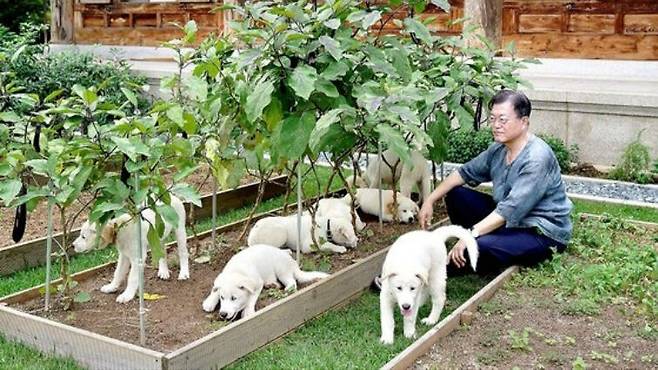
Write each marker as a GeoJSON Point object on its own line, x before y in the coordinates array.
{"type": "Point", "coordinates": [84, 346]}
{"type": "Point", "coordinates": [273, 189]}
{"type": "Point", "coordinates": [419, 347]}
{"type": "Point", "coordinates": [372, 262]}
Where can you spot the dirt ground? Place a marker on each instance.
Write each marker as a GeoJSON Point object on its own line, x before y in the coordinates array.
{"type": "Point", "coordinates": [525, 328]}
{"type": "Point", "coordinates": [37, 219]}
{"type": "Point", "coordinates": [178, 319]}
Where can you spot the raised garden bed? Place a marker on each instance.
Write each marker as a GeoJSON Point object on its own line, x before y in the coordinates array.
{"type": "Point", "coordinates": [32, 253]}
{"type": "Point", "coordinates": [167, 332]}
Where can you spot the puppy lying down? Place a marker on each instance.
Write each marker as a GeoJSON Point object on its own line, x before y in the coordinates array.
{"type": "Point", "coordinates": [333, 234]}
{"type": "Point", "coordinates": [338, 208]}
{"type": "Point", "coordinates": [368, 201]}
{"type": "Point", "coordinates": [415, 267]}
{"type": "Point", "coordinates": [122, 232]}
{"type": "Point", "coordinates": [238, 286]}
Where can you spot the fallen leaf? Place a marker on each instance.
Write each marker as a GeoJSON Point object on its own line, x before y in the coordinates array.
{"type": "Point", "coordinates": [202, 259]}
{"type": "Point", "coordinates": [153, 297]}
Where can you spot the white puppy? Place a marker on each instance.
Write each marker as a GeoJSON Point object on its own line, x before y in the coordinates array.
{"type": "Point", "coordinates": [122, 232]}
{"type": "Point", "coordinates": [368, 200]}
{"type": "Point", "coordinates": [408, 175]}
{"type": "Point", "coordinates": [333, 234]}
{"type": "Point", "coordinates": [415, 266]}
{"type": "Point", "coordinates": [238, 286]}
{"type": "Point", "coordinates": [338, 208]}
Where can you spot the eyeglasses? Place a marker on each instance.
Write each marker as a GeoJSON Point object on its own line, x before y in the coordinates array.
{"type": "Point", "coordinates": [502, 119]}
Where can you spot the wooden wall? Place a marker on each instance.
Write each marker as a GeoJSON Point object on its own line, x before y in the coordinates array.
{"type": "Point", "coordinates": [143, 24]}
{"type": "Point", "coordinates": [610, 29]}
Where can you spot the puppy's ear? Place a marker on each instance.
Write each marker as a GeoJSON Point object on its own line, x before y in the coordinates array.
{"type": "Point", "coordinates": [248, 285]}
{"type": "Point", "coordinates": [387, 276]}
{"type": "Point", "coordinates": [109, 233]}
{"type": "Point", "coordinates": [423, 277]}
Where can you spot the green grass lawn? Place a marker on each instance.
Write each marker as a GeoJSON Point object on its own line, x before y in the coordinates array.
{"type": "Point", "coordinates": [318, 343]}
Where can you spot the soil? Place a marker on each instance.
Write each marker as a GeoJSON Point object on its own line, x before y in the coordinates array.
{"type": "Point", "coordinates": [37, 219]}
{"type": "Point", "coordinates": [586, 170]}
{"type": "Point", "coordinates": [495, 338]}
{"type": "Point", "coordinates": [177, 318]}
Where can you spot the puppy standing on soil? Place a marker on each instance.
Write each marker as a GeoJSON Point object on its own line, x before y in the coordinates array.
{"type": "Point", "coordinates": [121, 232]}
{"type": "Point", "coordinates": [238, 286]}
{"type": "Point", "coordinates": [368, 201]}
{"type": "Point", "coordinates": [415, 266]}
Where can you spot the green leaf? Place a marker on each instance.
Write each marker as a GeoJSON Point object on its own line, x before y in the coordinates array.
{"type": "Point", "coordinates": [131, 147]}
{"type": "Point", "coordinates": [326, 87]}
{"type": "Point", "coordinates": [168, 213]}
{"type": "Point", "coordinates": [418, 29]}
{"type": "Point", "coordinates": [332, 46]}
{"type": "Point", "coordinates": [82, 297]}
{"type": "Point", "coordinates": [187, 194]}
{"type": "Point", "coordinates": [322, 127]}
{"type": "Point", "coordinates": [175, 113]}
{"type": "Point", "coordinates": [401, 63]}
{"type": "Point", "coordinates": [334, 71]}
{"type": "Point", "coordinates": [438, 132]}
{"type": "Point", "coordinates": [333, 23]}
{"type": "Point", "coordinates": [130, 96]}
{"type": "Point", "coordinates": [371, 19]}
{"type": "Point", "coordinates": [302, 81]}
{"type": "Point", "coordinates": [9, 116]}
{"type": "Point", "coordinates": [295, 134]}
{"type": "Point", "coordinates": [184, 172]}
{"type": "Point", "coordinates": [197, 88]}
{"type": "Point", "coordinates": [394, 141]}
{"type": "Point", "coordinates": [39, 166]}
{"type": "Point", "coordinates": [155, 244]}
{"type": "Point", "coordinates": [273, 114]}
{"type": "Point", "coordinates": [259, 98]}
{"type": "Point", "coordinates": [442, 4]}
{"type": "Point", "coordinates": [9, 189]}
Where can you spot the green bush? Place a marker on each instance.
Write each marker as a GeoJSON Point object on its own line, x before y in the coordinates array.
{"type": "Point", "coordinates": [635, 163]}
{"type": "Point", "coordinates": [466, 144]}
{"type": "Point", "coordinates": [14, 13]}
{"type": "Point", "coordinates": [565, 155]}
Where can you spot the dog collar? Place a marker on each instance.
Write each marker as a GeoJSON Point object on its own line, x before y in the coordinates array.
{"type": "Point", "coordinates": [330, 238]}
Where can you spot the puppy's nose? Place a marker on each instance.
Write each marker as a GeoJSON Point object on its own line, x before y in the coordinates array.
{"type": "Point", "coordinates": [406, 306]}
{"type": "Point", "coordinates": [222, 315]}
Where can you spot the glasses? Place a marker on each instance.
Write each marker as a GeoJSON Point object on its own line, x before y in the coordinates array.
{"type": "Point", "coordinates": [502, 119]}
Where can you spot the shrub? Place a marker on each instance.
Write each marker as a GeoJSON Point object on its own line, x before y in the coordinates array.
{"type": "Point", "coordinates": [466, 144]}
{"type": "Point", "coordinates": [634, 165]}
{"type": "Point", "coordinates": [565, 155]}
{"type": "Point", "coordinates": [14, 13]}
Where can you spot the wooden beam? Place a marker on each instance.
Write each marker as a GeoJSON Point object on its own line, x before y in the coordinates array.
{"type": "Point", "coordinates": [61, 21]}
{"type": "Point", "coordinates": [487, 17]}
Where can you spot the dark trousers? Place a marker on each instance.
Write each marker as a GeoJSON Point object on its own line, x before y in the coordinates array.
{"type": "Point", "coordinates": [502, 247]}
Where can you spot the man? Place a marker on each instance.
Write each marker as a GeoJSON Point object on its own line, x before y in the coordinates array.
{"type": "Point", "coordinates": [529, 211]}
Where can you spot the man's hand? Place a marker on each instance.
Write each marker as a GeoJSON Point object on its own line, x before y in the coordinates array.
{"type": "Point", "coordinates": [425, 214]}
{"type": "Point", "coordinates": [456, 255]}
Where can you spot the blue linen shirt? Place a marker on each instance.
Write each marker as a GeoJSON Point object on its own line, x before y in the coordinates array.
{"type": "Point", "coordinates": [529, 192]}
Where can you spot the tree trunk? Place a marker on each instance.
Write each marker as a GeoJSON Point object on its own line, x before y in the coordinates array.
{"type": "Point", "coordinates": [487, 15]}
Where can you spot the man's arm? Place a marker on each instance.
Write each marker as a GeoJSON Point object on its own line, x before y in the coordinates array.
{"type": "Point", "coordinates": [425, 214]}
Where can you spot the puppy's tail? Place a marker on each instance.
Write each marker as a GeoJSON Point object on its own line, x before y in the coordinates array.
{"type": "Point", "coordinates": [454, 231]}
{"type": "Point", "coordinates": [308, 276]}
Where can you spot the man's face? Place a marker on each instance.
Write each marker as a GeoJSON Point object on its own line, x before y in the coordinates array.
{"type": "Point", "coordinates": [505, 123]}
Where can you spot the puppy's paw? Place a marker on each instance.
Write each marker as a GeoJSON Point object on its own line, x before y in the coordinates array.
{"type": "Point", "coordinates": [340, 249]}
{"type": "Point", "coordinates": [109, 288]}
{"type": "Point", "coordinates": [164, 274]}
{"type": "Point", "coordinates": [125, 297]}
{"type": "Point", "coordinates": [183, 275]}
{"type": "Point", "coordinates": [208, 306]}
{"type": "Point", "coordinates": [386, 339]}
{"type": "Point", "coordinates": [428, 321]}
{"type": "Point", "coordinates": [274, 285]}
{"type": "Point", "coordinates": [410, 334]}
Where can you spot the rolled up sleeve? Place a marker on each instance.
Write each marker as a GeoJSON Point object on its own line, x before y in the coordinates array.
{"type": "Point", "coordinates": [529, 188]}
{"type": "Point", "coordinates": [477, 170]}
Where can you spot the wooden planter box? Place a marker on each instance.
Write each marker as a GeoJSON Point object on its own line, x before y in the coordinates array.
{"type": "Point", "coordinates": [212, 351]}
{"type": "Point", "coordinates": [33, 252]}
